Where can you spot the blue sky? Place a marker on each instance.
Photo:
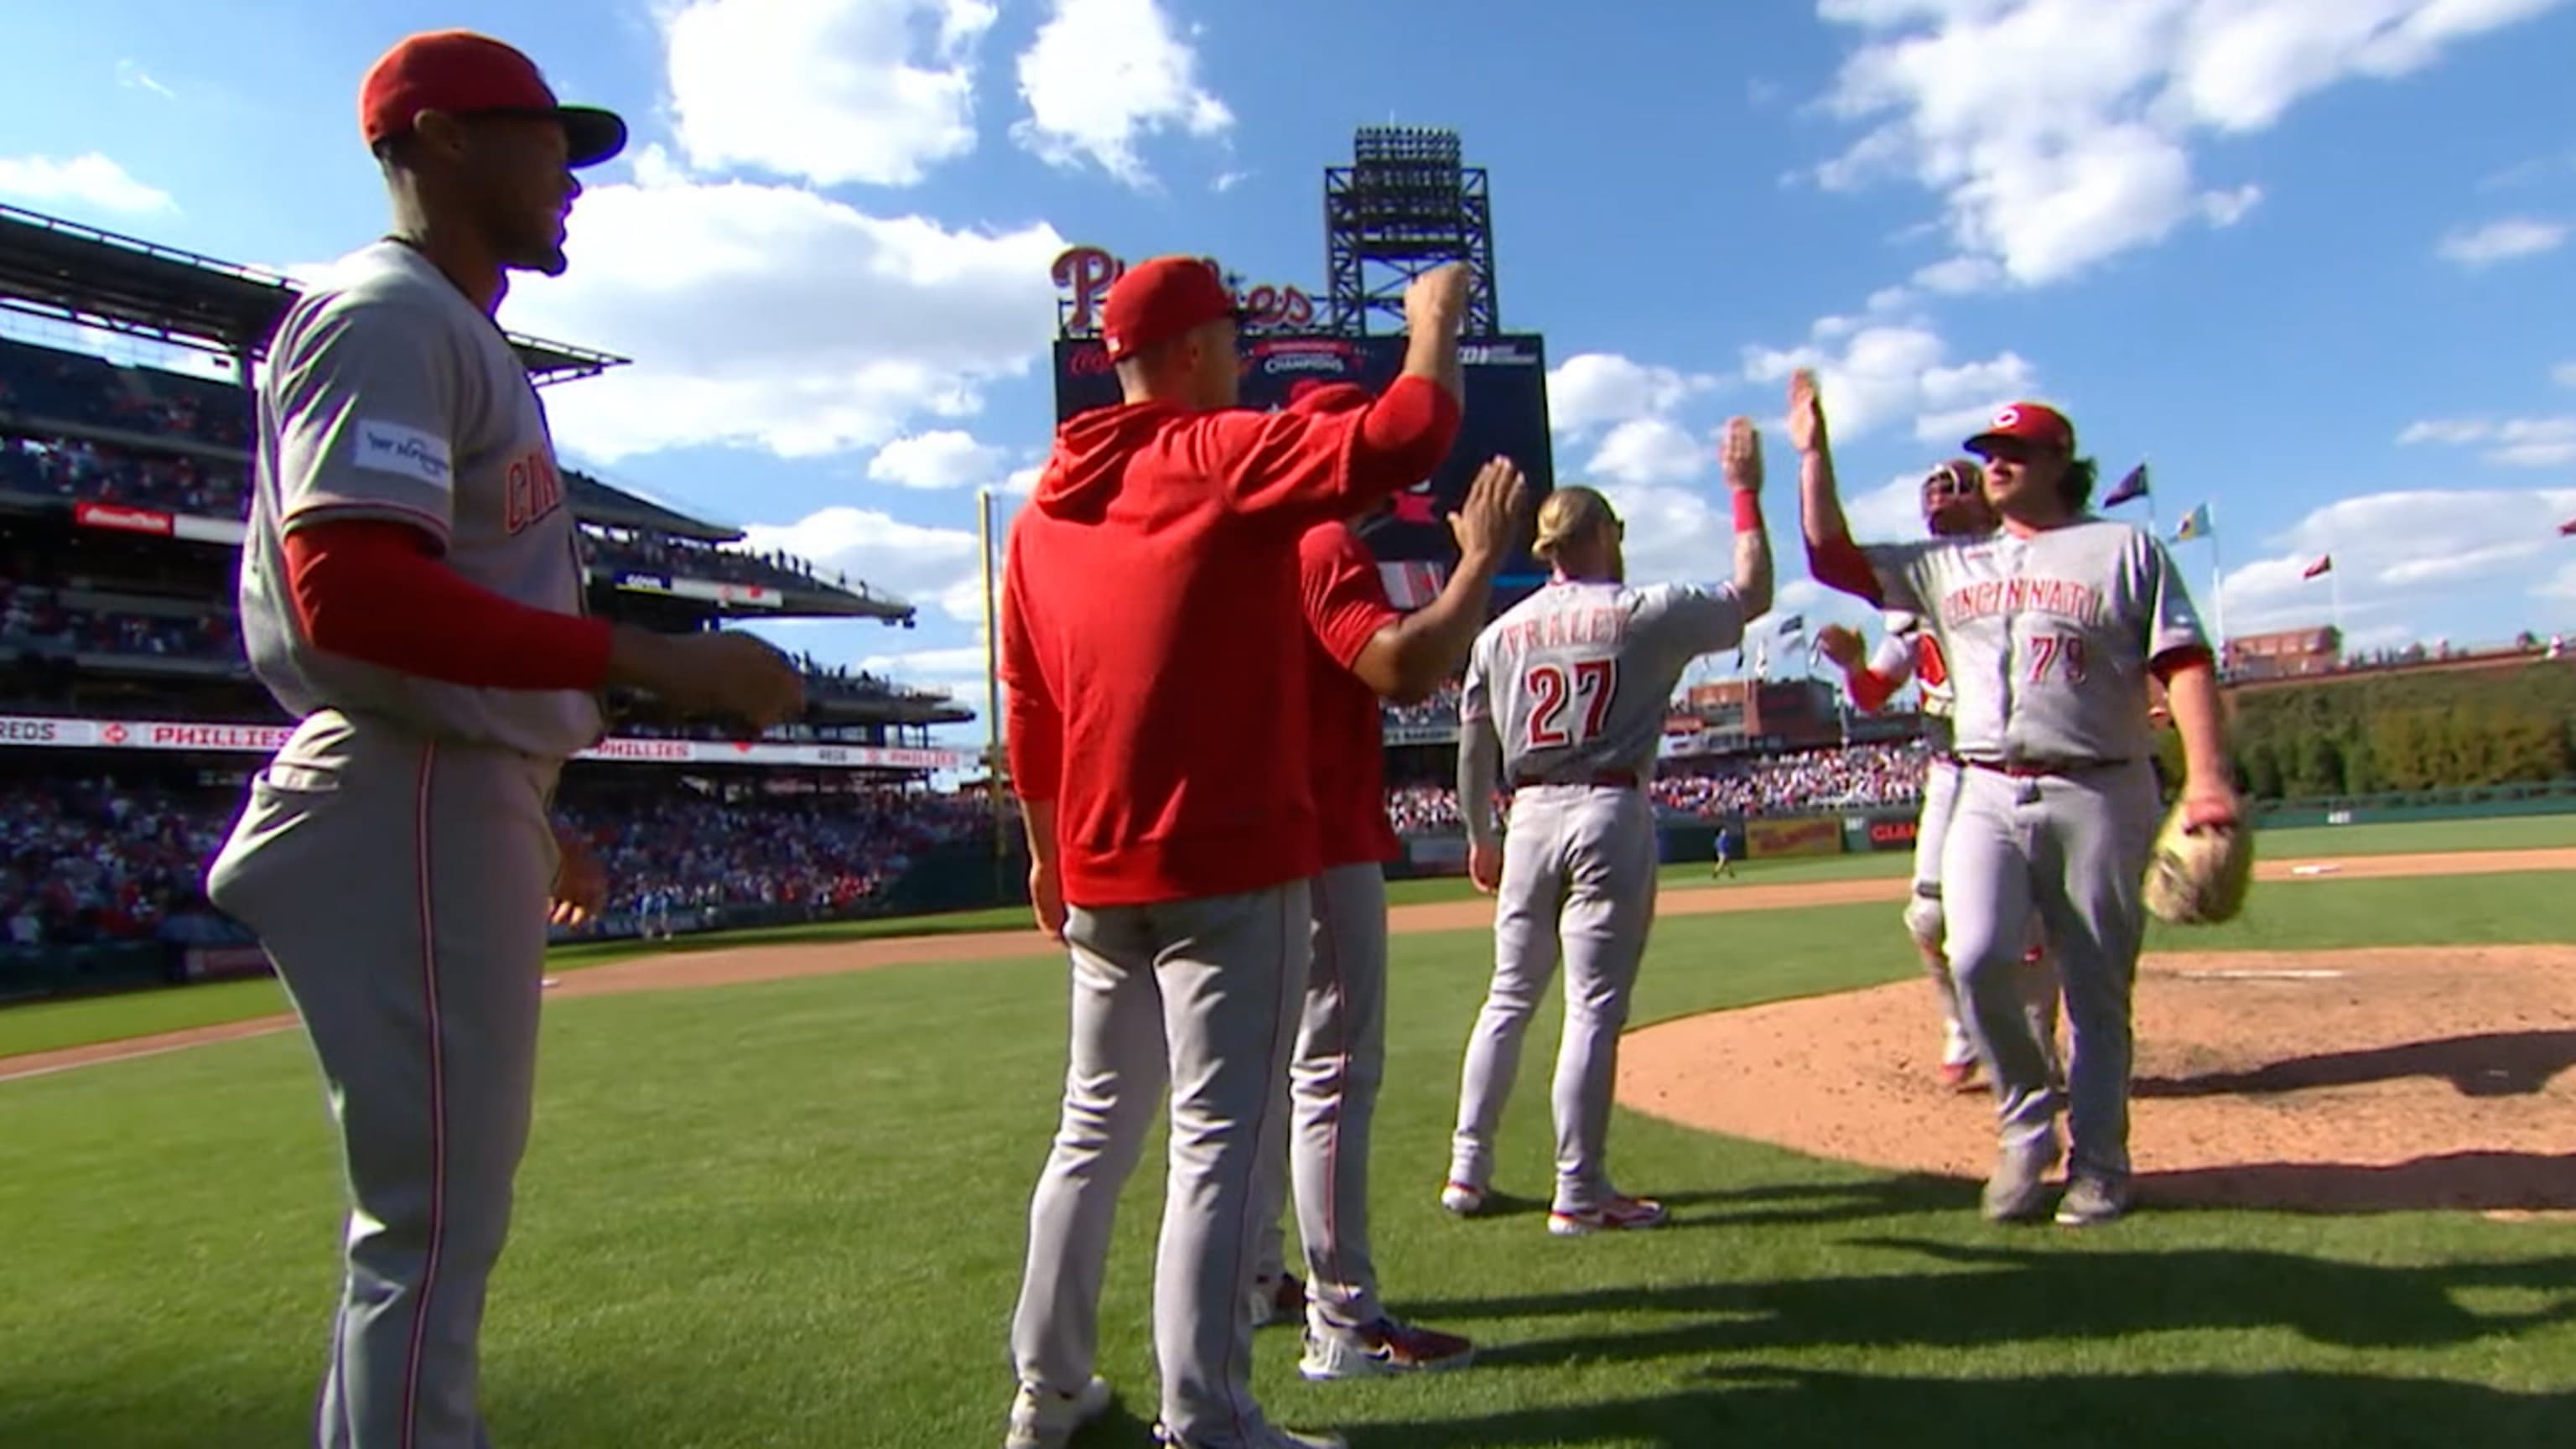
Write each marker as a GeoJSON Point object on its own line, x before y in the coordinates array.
{"type": "Point", "coordinates": [2305, 256]}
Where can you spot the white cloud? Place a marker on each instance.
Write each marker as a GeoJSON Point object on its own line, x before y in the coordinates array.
{"type": "Point", "coordinates": [2059, 133]}
{"type": "Point", "coordinates": [1649, 450]}
{"type": "Point", "coordinates": [1104, 74]}
{"type": "Point", "coordinates": [89, 180]}
{"type": "Point", "coordinates": [831, 91]}
{"type": "Point", "coordinates": [1022, 482]}
{"type": "Point", "coordinates": [131, 75]}
{"type": "Point", "coordinates": [2512, 442]}
{"type": "Point", "coordinates": [1958, 274]}
{"type": "Point", "coordinates": [2403, 550]}
{"type": "Point", "coordinates": [1882, 373]}
{"type": "Point", "coordinates": [943, 459]}
{"type": "Point", "coordinates": [1595, 389]}
{"type": "Point", "coordinates": [772, 317]}
{"type": "Point", "coordinates": [2502, 241]}
{"type": "Point", "coordinates": [1888, 513]}
{"type": "Point", "coordinates": [2226, 208]}
{"type": "Point", "coordinates": [936, 566]}
{"type": "Point", "coordinates": [2564, 374]}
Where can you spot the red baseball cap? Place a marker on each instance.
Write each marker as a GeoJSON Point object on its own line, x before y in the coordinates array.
{"type": "Point", "coordinates": [1158, 300]}
{"type": "Point", "coordinates": [465, 74]}
{"type": "Point", "coordinates": [2028, 422]}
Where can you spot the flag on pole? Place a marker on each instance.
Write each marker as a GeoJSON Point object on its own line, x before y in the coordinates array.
{"type": "Point", "coordinates": [2195, 524]}
{"type": "Point", "coordinates": [2568, 527]}
{"type": "Point", "coordinates": [2324, 564]}
{"type": "Point", "coordinates": [1792, 625]}
{"type": "Point", "coordinates": [2132, 486]}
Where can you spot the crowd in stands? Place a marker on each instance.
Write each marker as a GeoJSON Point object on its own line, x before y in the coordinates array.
{"type": "Point", "coordinates": [36, 618]}
{"type": "Point", "coordinates": [87, 860]}
{"type": "Point", "coordinates": [75, 468]}
{"type": "Point", "coordinates": [1439, 709]}
{"type": "Point", "coordinates": [1857, 775]}
{"type": "Point", "coordinates": [77, 387]}
{"type": "Point", "coordinates": [680, 558]}
{"type": "Point", "coordinates": [1423, 809]}
{"type": "Point", "coordinates": [825, 854]}
{"type": "Point", "coordinates": [842, 680]}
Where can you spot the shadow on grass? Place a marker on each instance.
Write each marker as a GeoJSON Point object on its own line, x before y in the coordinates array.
{"type": "Point", "coordinates": [2455, 1181]}
{"type": "Point", "coordinates": [1784, 1205]}
{"type": "Point", "coordinates": [1766, 1405]}
{"type": "Point", "coordinates": [2002, 1295]}
{"type": "Point", "coordinates": [2489, 1064]}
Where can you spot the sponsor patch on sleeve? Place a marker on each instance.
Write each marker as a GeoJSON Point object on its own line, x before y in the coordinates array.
{"type": "Point", "coordinates": [405, 452]}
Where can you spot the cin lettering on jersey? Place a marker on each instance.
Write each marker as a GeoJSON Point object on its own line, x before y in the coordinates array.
{"type": "Point", "coordinates": [1569, 628]}
{"type": "Point", "coordinates": [536, 490]}
{"type": "Point", "coordinates": [2062, 597]}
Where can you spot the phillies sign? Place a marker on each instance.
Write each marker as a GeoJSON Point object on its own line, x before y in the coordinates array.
{"type": "Point", "coordinates": [1084, 275]}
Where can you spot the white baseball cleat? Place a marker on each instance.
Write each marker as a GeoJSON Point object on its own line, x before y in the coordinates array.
{"type": "Point", "coordinates": [1463, 1199]}
{"type": "Point", "coordinates": [1041, 1420]}
{"type": "Point", "coordinates": [1615, 1215]}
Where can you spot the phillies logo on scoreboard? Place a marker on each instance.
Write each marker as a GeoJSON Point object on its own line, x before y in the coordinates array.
{"type": "Point", "coordinates": [1084, 275]}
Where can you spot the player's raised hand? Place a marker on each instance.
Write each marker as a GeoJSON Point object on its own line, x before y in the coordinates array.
{"type": "Point", "coordinates": [1806, 412]}
{"type": "Point", "coordinates": [1841, 645]}
{"type": "Point", "coordinates": [1437, 300]}
{"type": "Point", "coordinates": [1495, 511]}
{"type": "Point", "coordinates": [1741, 453]}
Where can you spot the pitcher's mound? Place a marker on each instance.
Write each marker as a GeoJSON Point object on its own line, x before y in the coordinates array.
{"type": "Point", "coordinates": [2382, 1079]}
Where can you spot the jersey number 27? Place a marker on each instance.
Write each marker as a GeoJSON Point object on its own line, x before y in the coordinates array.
{"type": "Point", "coordinates": [1588, 684]}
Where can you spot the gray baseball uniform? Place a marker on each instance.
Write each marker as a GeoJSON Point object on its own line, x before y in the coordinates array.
{"type": "Point", "coordinates": [396, 856]}
{"type": "Point", "coordinates": [1912, 651]}
{"type": "Point", "coordinates": [2049, 640]}
{"type": "Point", "coordinates": [1576, 681]}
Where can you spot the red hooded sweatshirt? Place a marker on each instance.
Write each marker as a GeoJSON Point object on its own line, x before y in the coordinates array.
{"type": "Point", "coordinates": [1153, 639]}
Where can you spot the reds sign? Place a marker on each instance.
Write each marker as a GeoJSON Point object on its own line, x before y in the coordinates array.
{"type": "Point", "coordinates": [1084, 275]}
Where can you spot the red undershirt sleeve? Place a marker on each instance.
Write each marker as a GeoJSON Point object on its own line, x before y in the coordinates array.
{"type": "Point", "coordinates": [1871, 689]}
{"type": "Point", "coordinates": [376, 591]}
{"type": "Point", "coordinates": [1404, 435]}
{"type": "Point", "coordinates": [1842, 565]}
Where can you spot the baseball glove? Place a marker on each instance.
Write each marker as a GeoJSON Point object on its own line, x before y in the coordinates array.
{"type": "Point", "coordinates": [2198, 878]}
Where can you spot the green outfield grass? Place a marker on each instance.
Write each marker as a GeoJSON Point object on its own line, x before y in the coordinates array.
{"type": "Point", "coordinates": [792, 1214]}
{"type": "Point", "coordinates": [49, 1026]}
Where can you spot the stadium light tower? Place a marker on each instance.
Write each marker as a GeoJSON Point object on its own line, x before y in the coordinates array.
{"type": "Point", "coordinates": [1405, 205]}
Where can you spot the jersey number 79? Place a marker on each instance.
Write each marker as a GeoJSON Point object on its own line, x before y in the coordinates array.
{"type": "Point", "coordinates": [1588, 684]}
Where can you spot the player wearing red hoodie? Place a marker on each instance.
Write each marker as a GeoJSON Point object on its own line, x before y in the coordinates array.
{"type": "Point", "coordinates": [1153, 643]}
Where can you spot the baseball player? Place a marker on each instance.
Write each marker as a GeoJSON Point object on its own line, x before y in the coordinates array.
{"type": "Point", "coordinates": [1363, 651]}
{"type": "Point", "coordinates": [1724, 846]}
{"type": "Point", "coordinates": [1954, 506]}
{"type": "Point", "coordinates": [411, 593]}
{"type": "Point", "coordinates": [1564, 701]}
{"type": "Point", "coordinates": [2052, 627]}
{"type": "Point", "coordinates": [1155, 651]}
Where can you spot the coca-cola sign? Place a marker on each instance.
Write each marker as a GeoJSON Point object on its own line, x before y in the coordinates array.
{"type": "Point", "coordinates": [1084, 275]}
